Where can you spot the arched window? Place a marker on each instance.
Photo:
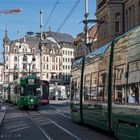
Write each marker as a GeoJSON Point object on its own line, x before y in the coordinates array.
{"type": "Point", "coordinates": [33, 59]}
{"type": "Point", "coordinates": [33, 50]}
{"type": "Point", "coordinates": [15, 50]}
{"type": "Point", "coordinates": [15, 58]}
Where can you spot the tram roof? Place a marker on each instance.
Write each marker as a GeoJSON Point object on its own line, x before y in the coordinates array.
{"type": "Point", "coordinates": [103, 49]}
{"type": "Point", "coordinates": [78, 61]}
{"type": "Point", "coordinates": [98, 52]}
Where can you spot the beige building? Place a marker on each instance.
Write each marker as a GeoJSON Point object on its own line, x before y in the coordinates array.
{"type": "Point", "coordinates": [119, 16]}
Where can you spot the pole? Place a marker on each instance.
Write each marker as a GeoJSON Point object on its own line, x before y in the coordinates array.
{"type": "Point", "coordinates": [41, 38]}
{"type": "Point", "coordinates": [86, 22]}
{"type": "Point", "coordinates": [86, 25]}
{"type": "Point", "coordinates": [29, 68]}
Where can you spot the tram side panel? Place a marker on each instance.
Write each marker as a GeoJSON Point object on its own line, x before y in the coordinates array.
{"type": "Point", "coordinates": [75, 104]}
{"type": "Point", "coordinates": [95, 97]}
{"type": "Point", "coordinates": [126, 86]}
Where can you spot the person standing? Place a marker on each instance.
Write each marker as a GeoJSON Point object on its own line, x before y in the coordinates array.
{"type": "Point", "coordinates": [131, 99]}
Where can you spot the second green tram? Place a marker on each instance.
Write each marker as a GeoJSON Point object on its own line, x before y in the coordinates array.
{"type": "Point", "coordinates": [24, 92]}
{"type": "Point", "coordinates": [105, 87]}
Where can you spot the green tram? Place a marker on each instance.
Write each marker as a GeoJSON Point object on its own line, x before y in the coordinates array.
{"type": "Point", "coordinates": [105, 87]}
{"type": "Point", "coordinates": [24, 92]}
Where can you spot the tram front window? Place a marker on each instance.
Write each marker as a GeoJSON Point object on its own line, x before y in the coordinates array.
{"type": "Point", "coordinates": [28, 90]}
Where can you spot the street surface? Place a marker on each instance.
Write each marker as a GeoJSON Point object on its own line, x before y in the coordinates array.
{"type": "Point", "coordinates": [49, 122]}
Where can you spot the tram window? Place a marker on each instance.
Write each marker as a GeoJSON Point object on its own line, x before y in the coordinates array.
{"type": "Point", "coordinates": [75, 89]}
{"type": "Point", "coordinates": [22, 91]}
{"type": "Point", "coordinates": [94, 79]}
{"type": "Point", "coordinates": [101, 96]}
{"type": "Point", "coordinates": [120, 84]}
{"type": "Point", "coordinates": [134, 80]}
{"type": "Point", "coordinates": [86, 87]}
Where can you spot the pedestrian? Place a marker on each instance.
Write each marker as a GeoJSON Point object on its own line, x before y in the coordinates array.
{"type": "Point", "coordinates": [131, 99]}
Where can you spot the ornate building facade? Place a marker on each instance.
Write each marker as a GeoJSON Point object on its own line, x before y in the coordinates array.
{"type": "Point", "coordinates": [22, 57]}
{"type": "Point", "coordinates": [119, 16]}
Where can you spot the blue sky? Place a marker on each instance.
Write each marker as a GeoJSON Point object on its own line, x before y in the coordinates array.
{"type": "Point", "coordinates": [29, 18]}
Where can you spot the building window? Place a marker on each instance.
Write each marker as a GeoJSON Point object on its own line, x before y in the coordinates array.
{"type": "Point", "coordinates": [117, 22]}
{"type": "Point", "coordinates": [133, 16]}
{"type": "Point", "coordinates": [15, 58]}
{"type": "Point", "coordinates": [15, 50]}
{"type": "Point", "coordinates": [43, 66]}
{"type": "Point", "coordinates": [47, 76]}
{"type": "Point", "coordinates": [15, 66]}
{"type": "Point", "coordinates": [139, 12]}
{"type": "Point", "coordinates": [44, 58]}
{"type": "Point", "coordinates": [47, 67]}
{"type": "Point", "coordinates": [24, 66]}
{"type": "Point", "coordinates": [6, 48]}
{"type": "Point", "coordinates": [130, 18]}
{"type": "Point", "coordinates": [34, 66]}
{"type": "Point", "coordinates": [53, 59]}
{"type": "Point", "coordinates": [47, 59]}
{"type": "Point", "coordinates": [6, 66]}
{"type": "Point", "coordinates": [126, 22]}
{"type": "Point", "coordinates": [33, 50]}
{"type": "Point", "coordinates": [33, 59]}
{"type": "Point", "coordinates": [6, 58]}
{"type": "Point", "coordinates": [24, 58]}
{"type": "Point", "coordinates": [53, 67]}
{"type": "Point", "coordinates": [56, 67]}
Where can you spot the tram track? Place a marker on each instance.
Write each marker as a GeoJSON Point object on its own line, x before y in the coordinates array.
{"type": "Point", "coordinates": [39, 127]}
{"type": "Point", "coordinates": [36, 115]}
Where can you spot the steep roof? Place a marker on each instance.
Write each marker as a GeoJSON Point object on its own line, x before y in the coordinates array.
{"type": "Point", "coordinates": [6, 39]}
{"type": "Point", "coordinates": [60, 37]}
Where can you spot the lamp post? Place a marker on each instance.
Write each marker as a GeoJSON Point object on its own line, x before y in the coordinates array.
{"type": "Point", "coordinates": [40, 43]}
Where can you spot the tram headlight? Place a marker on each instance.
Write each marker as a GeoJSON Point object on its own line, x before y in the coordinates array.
{"type": "Point", "coordinates": [31, 100]}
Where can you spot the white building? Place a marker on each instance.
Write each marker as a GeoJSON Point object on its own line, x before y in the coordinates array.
{"type": "Point", "coordinates": [22, 57]}
{"type": "Point", "coordinates": [1, 78]}
{"type": "Point", "coordinates": [65, 43]}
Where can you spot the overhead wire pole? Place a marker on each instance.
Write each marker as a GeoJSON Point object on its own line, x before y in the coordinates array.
{"type": "Point", "coordinates": [86, 21]}
{"type": "Point", "coordinates": [86, 25]}
{"type": "Point", "coordinates": [40, 43]}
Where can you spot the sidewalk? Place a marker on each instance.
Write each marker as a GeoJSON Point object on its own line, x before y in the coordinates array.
{"type": "Point", "coordinates": [59, 101]}
{"type": "Point", "coordinates": [2, 113]}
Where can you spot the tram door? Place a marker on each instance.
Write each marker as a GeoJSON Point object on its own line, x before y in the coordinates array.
{"type": "Point", "coordinates": [75, 99]}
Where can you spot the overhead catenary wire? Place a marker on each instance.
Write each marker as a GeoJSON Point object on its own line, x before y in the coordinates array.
{"type": "Point", "coordinates": [56, 3]}
{"type": "Point", "coordinates": [69, 14]}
